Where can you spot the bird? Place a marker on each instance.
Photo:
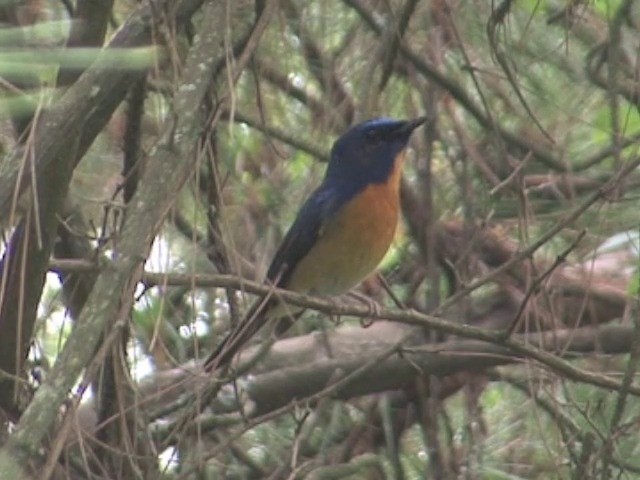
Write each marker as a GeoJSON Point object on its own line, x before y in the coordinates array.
{"type": "Point", "coordinates": [341, 232]}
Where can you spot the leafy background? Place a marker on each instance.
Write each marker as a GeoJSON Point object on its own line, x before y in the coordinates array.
{"type": "Point", "coordinates": [166, 148]}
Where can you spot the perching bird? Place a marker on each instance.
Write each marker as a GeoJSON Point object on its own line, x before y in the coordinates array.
{"type": "Point", "coordinates": [342, 231]}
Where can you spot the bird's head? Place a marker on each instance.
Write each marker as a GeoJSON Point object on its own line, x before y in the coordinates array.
{"type": "Point", "coordinates": [367, 152]}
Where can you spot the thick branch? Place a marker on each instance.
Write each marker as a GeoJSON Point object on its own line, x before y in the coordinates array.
{"type": "Point", "coordinates": [307, 368]}
{"type": "Point", "coordinates": [26, 260]}
{"type": "Point", "coordinates": [96, 94]}
{"type": "Point", "coordinates": [298, 368]}
{"type": "Point", "coordinates": [169, 167]}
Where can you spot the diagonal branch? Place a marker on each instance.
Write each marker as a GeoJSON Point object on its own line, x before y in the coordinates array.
{"type": "Point", "coordinates": [297, 378]}
{"type": "Point", "coordinates": [85, 107]}
{"type": "Point", "coordinates": [361, 363]}
{"type": "Point", "coordinates": [25, 262]}
{"type": "Point", "coordinates": [169, 167]}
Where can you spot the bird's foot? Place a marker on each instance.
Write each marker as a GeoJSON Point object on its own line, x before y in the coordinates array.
{"type": "Point", "coordinates": [374, 308]}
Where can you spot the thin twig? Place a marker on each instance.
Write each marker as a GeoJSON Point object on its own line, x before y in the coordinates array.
{"type": "Point", "coordinates": [560, 259]}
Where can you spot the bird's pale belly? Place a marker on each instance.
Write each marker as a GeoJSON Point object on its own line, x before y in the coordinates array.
{"type": "Point", "coordinates": [351, 245]}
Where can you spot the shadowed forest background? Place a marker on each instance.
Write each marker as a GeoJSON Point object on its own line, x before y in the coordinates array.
{"type": "Point", "coordinates": [153, 154]}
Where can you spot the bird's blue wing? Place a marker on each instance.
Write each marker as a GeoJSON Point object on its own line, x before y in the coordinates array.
{"type": "Point", "coordinates": [302, 235]}
{"type": "Point", "coordinates": [297, 243]}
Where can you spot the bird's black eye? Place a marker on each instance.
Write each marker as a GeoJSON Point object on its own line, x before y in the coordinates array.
{"type": "Point", "coordinates": [372, 135]}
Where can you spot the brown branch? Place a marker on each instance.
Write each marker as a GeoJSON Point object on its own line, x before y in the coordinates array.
{"type": "Point", "coordinates": [569, 428]}
{"type": "Point", "coordinates": [607, 302]}
{"type": "Point", "coordinates": [23, 269]}
{"type": "Point", "coordinates": [406, 317]}
{"type": "Point", "coordinates": [306, 358]}
{"type": "Point", "coordinates": [85, 107]}
{"type": "Point", "coordinates": [301, 368]}
{"type": "Point", "coordinates": [281, 135]}
{"type": "Point", "coordinates": [74, 246]}
{"type": "Point", "coordinates": [112, 295]}
{"type": "Point", "coordinates": [537, 282]}
{"type": "Point", "coordinates": [320, 66]}
{"type": "Point", "coordinates": [123, 449]}
{"type": "Point", "coordinates": [88, 29]}
{"type": "Point", "coordinates": [505, 265]}
{"type": "Point", "coordinates": [459, 94]}
{"type": "Point", "coordinates": [398, 29]}
{"type": "Point", "coordinates": [281, 81]}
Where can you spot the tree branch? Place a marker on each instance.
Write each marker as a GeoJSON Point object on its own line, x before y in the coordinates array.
{"type": "Point", "coordinates": [168, 169]}
{"type": "Point", "coordinates": [85, 107]}
{"type": "Point", "coordinates": [353, 362]}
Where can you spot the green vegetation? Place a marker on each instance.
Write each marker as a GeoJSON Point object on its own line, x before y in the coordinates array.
{"type": "Point", "coordinates": [154, 155]}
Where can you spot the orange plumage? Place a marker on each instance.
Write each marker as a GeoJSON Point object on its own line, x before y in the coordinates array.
{"type": "Point", "coordinates": [343, 230]}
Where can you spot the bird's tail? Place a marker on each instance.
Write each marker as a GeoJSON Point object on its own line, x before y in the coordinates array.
{"type": "Point", "coordinates": [260, 313]}
{"type": "Point", "coordinates": [238, 337]}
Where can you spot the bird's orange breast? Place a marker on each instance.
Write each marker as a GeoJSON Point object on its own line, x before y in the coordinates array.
{"type": "Point", "coordinates": [352, 244]}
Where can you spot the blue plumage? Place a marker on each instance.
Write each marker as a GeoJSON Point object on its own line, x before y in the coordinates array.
{"type": "Point", "coordinates": [365, 154]}
{"type": "Point", "coordinates": [303, 233]}
{"type": "Point", "coordinates": [342, 231]}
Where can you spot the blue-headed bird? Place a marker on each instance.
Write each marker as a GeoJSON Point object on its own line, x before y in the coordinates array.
{"type": "Point", "coordinates": [341, 232]}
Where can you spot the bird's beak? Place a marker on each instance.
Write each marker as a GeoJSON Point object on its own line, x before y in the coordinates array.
{"type": "Point", "coordinates": [410, 125]}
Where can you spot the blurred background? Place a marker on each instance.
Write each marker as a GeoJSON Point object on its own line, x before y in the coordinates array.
{"type": "Point", "coordinates": [519, 215]}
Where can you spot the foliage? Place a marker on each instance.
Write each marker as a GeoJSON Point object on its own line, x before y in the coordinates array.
{"type": "Point", "coordinates": [514, 273]}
